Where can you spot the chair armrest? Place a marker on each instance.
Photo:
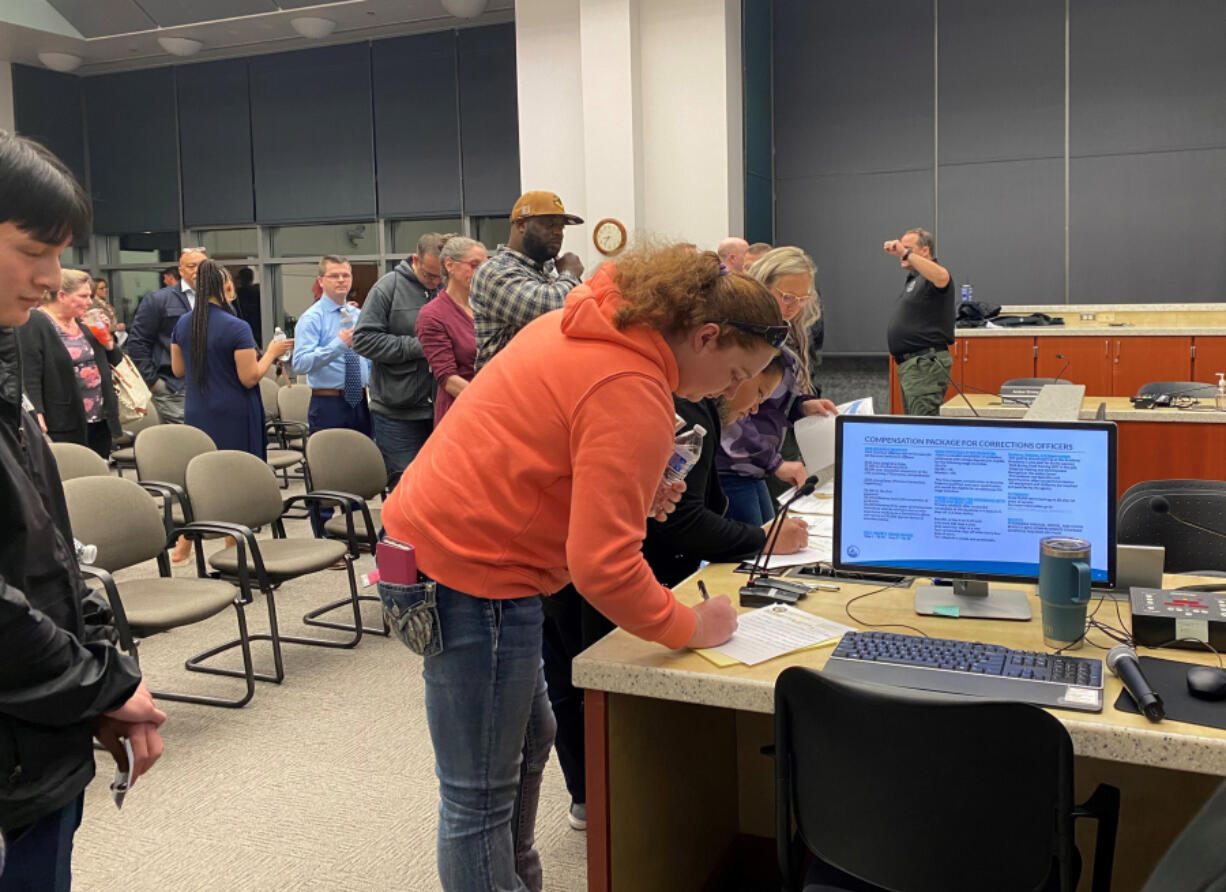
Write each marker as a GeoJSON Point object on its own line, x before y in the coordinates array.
{"type": "Point", "coordinates": [355, 501]}
{"type": "Point", "coordinates": [322, 497]}
{"type": "Point", "coordinates": [244, 538]}
{"type": "Point", "coordinates": [1104, 806]}
{"type": "Point", "coordinates": [169, 492]}
{"type": "Point", "coordinates": [118, 614]}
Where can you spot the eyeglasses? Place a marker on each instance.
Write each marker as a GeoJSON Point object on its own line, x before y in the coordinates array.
{"type": "Point", "coordinates": [795, 299]}
{"type": "Point", "coordinates": [338, 276]}
{"type": "Point", "coordinates": [774, 335]}
{"type": "Point", "coordinates": [471, 264]}
{"type": "Point", "coordinates": [200, 250]}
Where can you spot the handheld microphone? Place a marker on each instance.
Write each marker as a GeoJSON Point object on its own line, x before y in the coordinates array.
{"type": "Point", "coordinates": [758, 570]}
{"type": "Point", "coordinates": [1122, 661]}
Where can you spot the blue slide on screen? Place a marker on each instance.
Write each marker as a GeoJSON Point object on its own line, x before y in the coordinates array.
{"type": "Point", "coordinates": [970, 498]}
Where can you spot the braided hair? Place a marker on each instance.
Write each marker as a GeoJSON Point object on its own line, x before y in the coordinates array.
{"type": "Point", "coordinates": [211, 278]}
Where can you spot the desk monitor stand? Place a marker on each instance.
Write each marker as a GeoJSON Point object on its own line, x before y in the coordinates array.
{"type": "Point", "coordinates": [973, 599]}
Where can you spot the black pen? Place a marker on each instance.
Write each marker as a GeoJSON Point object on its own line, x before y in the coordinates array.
{"type": "Point", "coordinates": [702, 588]}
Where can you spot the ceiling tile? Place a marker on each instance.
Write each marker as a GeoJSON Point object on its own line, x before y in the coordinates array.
{"type": "Point", "coordinates": [101, 18]}
{"type": "Point", "coordinates": [169, 13]}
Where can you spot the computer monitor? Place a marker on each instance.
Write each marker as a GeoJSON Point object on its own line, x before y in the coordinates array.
{"type": "Point", "coordinates": [967, 500]}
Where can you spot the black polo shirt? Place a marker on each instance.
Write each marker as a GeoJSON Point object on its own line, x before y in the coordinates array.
{"type": "Point", "coordinates": [923, 316]}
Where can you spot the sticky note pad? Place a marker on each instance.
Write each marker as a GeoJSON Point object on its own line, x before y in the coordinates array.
{"type": "Point", "coordinates": [946, 610]}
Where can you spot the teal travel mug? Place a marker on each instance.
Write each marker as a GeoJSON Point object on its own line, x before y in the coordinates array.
{"type": "Point", "coordinates": [1064, 590]}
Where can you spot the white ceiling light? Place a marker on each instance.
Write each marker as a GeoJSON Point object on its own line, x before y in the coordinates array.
{"type": "Point", "coordinates": [60, 61]}
{"type": "Point", "coordinates": [465, 9]}
{"type": "Point", "coordinates": [313, 26]}
{"type": "Point", "coordinates": [180, 46]}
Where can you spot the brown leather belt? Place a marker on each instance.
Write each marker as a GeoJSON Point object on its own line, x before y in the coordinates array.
{"type": "Point", "coordinates": [330, 391]}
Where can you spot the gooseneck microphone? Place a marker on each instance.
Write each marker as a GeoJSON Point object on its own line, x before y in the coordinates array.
{"type": "Point", "coordinates": [758, 570]}
{"type": "Point", "coordinates": [950, 378]}
{"type": "Point", "coordinates": [1122, 661]}
{"type": "Point", "coordinates": [1060, 374]}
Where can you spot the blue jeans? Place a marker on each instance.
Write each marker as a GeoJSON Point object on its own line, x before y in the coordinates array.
{"type": "Point", "coordinates": [40, 856]}
{"type": "Point", "coordinates": [399, 439]}
{"type": "Point", "coordinates": [492, 730]}
{"type": "Point", "coordinates": [749, 501]}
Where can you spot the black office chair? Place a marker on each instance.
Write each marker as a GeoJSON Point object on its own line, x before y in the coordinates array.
{"type": "Point", "coordinates": [1197, 390]}
{"type": "Point", "coordinates": [1197, 858]}
{"type": "Point", "coordinates": [1150, 513]}
{"type": "Point", "coordinates": [907, 791]}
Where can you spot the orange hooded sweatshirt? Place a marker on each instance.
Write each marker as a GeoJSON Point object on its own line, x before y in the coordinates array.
{"type": "Point", "coordinates": [542, 473]}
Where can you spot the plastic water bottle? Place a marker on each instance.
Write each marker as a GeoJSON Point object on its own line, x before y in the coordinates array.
{"type": "Point", "coordinates": [1220, 397]}
{"type": "Point", "coordinates": [687, 448]}
{"type": "Point", "coordinates": [349, 316]}
{"type": "Point", "coordinates": [279, 335]}
{"type": "Point", "coordinates": [968, 293]}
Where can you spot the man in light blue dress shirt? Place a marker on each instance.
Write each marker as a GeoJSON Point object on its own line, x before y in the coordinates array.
{"type": "Point", "coordinates": [322, 351]}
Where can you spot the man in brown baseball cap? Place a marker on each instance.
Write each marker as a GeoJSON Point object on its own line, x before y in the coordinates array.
{"type": "Point", "coordinates": [515, 285]}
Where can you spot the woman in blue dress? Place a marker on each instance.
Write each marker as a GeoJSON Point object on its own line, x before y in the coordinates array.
{"type": "Point", "coordinates": [216, 352]}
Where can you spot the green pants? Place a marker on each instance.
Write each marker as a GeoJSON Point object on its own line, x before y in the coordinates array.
{"type": "Point", "coordinates": [923, 380]}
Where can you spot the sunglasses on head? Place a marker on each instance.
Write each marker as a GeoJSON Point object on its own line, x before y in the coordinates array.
{"type": "Point", "coordinates": [774, 335]}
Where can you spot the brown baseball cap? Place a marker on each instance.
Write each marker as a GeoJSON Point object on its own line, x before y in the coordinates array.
{"type": "Point", "coordinates": [540, 203]}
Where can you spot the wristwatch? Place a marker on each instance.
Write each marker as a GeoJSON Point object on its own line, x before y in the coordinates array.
{"type": "Point", "coordinates": [906, 253]}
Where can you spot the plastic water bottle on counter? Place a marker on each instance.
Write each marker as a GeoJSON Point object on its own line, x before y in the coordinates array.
{"type": "Point", "coordinates": [968, 293]}
{"type": "Point", "coordinates": [1220, 397]}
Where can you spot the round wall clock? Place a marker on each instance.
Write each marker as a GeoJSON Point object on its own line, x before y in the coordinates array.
{"type": "Point", "coordinates": [609, 236]}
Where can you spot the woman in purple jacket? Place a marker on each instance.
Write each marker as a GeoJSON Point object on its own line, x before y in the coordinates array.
{"type": "Point", "coordinates": [445, 324]}
{"type": "Point", "coordinates": [750, 448]}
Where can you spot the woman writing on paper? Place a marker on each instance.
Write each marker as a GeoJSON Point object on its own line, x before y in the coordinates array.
{"type": "Point", "coordinates": [580, 407]}
{"type": "Point", "coordinates": [750, 448]}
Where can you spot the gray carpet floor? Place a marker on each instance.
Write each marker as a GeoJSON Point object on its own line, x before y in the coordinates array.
{"type": "Point", "coordinates": [325, 782]}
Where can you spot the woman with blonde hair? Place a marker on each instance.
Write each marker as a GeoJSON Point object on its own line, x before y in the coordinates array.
{"type": "Point", "coordinates": [750, 449]}
{"type": "Point", "coordinates": [445, 325]}
{"type": "Point", "coordinates": [66, 368]}
{"type": "Point", "coordinates": [579, 405]}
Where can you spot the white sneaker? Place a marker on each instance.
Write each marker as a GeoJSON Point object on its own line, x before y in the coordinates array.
{"type": "Point", "coordinates": [577, 816]}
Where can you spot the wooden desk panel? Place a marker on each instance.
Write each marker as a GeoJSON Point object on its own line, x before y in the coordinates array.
{"type": "Point", "coordinates": [661, 765]}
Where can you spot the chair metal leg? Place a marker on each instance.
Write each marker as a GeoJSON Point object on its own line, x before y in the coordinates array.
{"type": "Point", "coordinates": [195, 664]}
{"type": "Point", "coordinates": [310, 618]}
{"type": "Point", "coordinates": [248, 673]}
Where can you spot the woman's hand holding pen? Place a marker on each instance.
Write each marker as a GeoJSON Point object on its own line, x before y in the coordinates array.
{"type": "Point", "coordinates": [716, 620]}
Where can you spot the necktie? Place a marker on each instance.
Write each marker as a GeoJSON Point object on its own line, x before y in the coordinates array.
{"type": "Point", "coordinates": [353, 378]}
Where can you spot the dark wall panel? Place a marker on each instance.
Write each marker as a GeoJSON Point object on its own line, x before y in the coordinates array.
{"type": "Point", "coordinates": [1146, 76]}
{"type": "Point", "coordinates": [47, 107]}
{"type": "Point", "coordinates": [417, 128]}
{"type": "Point", "coordinates": [759, 164]}
{"type": "Point", "coordinates": [130, 120]}
{"type": "Point", "coordinates": [1002, 228]}
{"type": "Point", "coordinates": [853, 87]}
{"type": "Point", "coordinates": [1001, 80]}
{"type": "Point", "coordinates": [215, 143]}
{"type": "Point", "coordinates": [1148, 228]}
{"type": "Point", "coordinates": [312, 135]}
{"type": "Point", "coordinates": [841, 221]}
{"type": "Point", "coordinates": [489, 119]}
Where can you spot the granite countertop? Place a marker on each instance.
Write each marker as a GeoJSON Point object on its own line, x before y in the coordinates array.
{"type": "Point", "coordinates": [672, 675]}
{"type": "Point", "coordinates": [1114, 331]}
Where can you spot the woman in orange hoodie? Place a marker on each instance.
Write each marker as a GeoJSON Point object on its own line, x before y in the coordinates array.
{"type": "Point", "coordinates": [542, 475]}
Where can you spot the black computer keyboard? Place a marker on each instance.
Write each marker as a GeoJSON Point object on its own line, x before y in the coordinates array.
{"type": "Point", "coordinates": [965, 667]}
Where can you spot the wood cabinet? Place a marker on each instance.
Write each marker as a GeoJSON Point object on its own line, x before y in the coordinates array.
{"type": "Point", "coordinates": [986, 363]}
{"type": "Point", "coordinates": [1084, 360]}
{"type": "Point", "coordinates": [1209, 358]}
{"type": "Point", "coordinates": [1136, 361]}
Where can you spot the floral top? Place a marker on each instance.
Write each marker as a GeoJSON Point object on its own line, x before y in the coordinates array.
{"type": "Point", "coordinates": [89, 378]}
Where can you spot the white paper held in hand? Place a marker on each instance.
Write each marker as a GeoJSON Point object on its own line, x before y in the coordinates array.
{"type": "Point", "coordinates": [120, 783]}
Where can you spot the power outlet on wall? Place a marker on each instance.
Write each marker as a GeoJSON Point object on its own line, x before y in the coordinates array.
{"type": "Point", "coordinates": [1088, 317]}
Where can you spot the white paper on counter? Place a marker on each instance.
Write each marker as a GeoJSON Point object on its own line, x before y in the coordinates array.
{"type": "Point", "coordinates": [770, 632]}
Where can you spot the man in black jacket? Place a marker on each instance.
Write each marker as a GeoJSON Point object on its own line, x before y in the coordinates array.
{"type": "Point", "coordinates": [401, 385]}
{"type": "Point", "coordinates": [62, 682]}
